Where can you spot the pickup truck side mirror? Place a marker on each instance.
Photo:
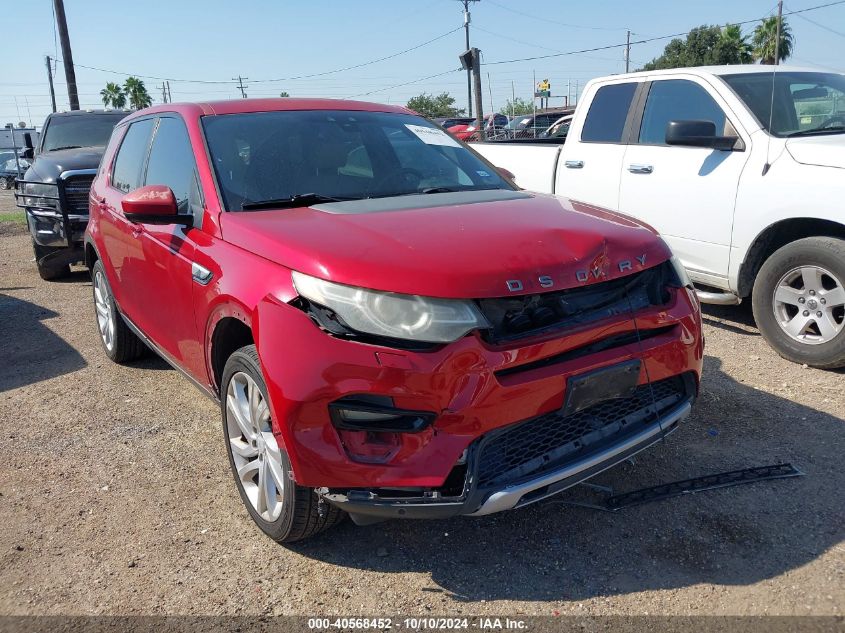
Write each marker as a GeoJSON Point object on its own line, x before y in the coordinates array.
{"type": "Point", "coordinates": [697, 134]}
{"type": "Point", "coordinates": [153, 204]}
{"type": "Point", "coordinates": [28, 151]}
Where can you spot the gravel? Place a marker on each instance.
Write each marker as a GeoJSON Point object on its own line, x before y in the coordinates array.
{"type": "Point", "coordinates": [116, 497]}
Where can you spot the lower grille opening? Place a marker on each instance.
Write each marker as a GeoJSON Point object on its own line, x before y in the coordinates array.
{"type": "Point", "coordinates": [550, 441]}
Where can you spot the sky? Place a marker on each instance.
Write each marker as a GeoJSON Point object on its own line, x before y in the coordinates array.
{"type": "Point", "coordinates": [274, 43]}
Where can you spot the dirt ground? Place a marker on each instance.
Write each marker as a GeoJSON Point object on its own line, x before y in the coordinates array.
{"type": "Point", "coordinates": [116, 497]}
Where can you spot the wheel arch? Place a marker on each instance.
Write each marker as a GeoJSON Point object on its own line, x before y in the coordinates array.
{"type": "Point", "coordinates": [776, 236]}
{"type": "Point", "coordinates": [230, 332]}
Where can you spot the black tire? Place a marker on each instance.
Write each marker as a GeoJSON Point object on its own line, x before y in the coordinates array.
{"type": "Point", "coordinates": [302, 515]}
{"type": "Point", "coordinates": [5, 183]}
{"type": "Point", "coordinates": [126, 346]}
{"type": "Point", "coordinates": [46, 271]}
{"type": "Point", "coordinates": [827, 253]}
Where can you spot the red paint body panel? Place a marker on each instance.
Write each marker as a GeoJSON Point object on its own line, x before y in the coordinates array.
{"type": "Point", "coordinates": [465, 251]}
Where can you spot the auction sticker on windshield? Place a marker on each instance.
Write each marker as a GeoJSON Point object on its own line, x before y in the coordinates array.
{"type": "Point", "coordinates": [432, 136]}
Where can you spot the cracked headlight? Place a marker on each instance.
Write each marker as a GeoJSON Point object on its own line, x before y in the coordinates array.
{"type": "Point", "coordinates": [393, 315]}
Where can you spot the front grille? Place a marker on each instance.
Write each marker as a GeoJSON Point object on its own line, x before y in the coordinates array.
{"type": "Point", "coordinates": [550, 441]}
{"type": "Point", "coordinates": [76, 194]}
{"type": "Point", "coordinates": [512, 318]}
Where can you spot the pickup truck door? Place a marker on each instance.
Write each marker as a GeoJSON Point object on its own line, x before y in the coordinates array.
{"type": "Point", "coordinates": [687, 193]}
{"type": "Point", "coordinates": [591, 159]}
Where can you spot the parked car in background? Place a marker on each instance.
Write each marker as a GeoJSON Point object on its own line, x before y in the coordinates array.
{"type": "Point", "coordinates": [9, 169]}
{"type": "Point", "coordinates": [448, 122]}
{"type": "Point", "coordinates": [54, 190]}
{"type": "Point", "coordinates": [391, 328]}
{"type": "Point", "coordinates": [559, 129]}
{"type": "Point", "coordinates": [464, 132]}
{"type": "Point", "coordinates": [532, 125]}
{"type": "Point", "coordinates": [740, 168]}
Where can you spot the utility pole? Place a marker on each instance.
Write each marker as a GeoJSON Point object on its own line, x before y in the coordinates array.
{"type": "Point", "coordinates": [467, 20]}
{"type": "Point", "coordinates": [476, 88]}
{"type": "Point", "coordinates": [163, 92]}
{"type": "Point", "coordinates": [67, 55]}
{"type": "Point", "coordinates": [241, 85]}
{"type": "Point", "coordinates": [50, 80]}
{"type": "Point", "coordinates": [628, 53]}
{"type": "Point", "coordinates": [169, 94]}
{"type": "Point", "coordinates": [777, 37]}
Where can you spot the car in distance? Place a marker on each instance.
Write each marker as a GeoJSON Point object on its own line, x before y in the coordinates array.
{"type": "Point", "coordinates": [54, 190]}
{"type": "Point", "coordinates": [392, 329]}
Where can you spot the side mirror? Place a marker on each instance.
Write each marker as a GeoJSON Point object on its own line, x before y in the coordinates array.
{"type": "Point", "coordinates": [153, 204]}
{"type": "Point", "coordinates": [697, 134]}
{"type": "Point", "coordinates": [506, 173]}
{"type": "Point", "coordinates": [28, 151]}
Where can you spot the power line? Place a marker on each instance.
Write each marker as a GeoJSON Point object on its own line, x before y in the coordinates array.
{"type": "Point", "coordinates": [822, 26]}
{"type": "Point", "coordinates": [407, 83]}
{"type": "Point", "coordinates": [650, 39]}
{"type": "Point", "coordinates": [308, 76]}
{"type": "Point", "coordinates": [547, 20]}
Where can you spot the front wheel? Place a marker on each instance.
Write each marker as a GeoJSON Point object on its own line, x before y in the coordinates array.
{"type": "Point", "coordinates": [284, 510]}
{"type": "Point", "coordinates": [799, 301]}
{"type": "Point", "coordinates": [119, 342]}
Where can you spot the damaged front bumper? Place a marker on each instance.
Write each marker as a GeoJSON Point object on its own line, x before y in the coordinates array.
{"type": "Point", "coordinates": [552, 471]}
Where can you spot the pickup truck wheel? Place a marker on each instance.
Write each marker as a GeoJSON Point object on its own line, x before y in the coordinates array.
{"type": "Point", "coordinates": [46, 271]}
{"type": "Point", "coordinates": [799, 301]}
{"type": "Point", "coordinates": [119, 342]}
{"type": "Point", "coordinates": [284, 510]}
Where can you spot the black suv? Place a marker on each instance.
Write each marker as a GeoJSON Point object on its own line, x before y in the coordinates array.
{"type": "Point", "coordinates": [54, 190]}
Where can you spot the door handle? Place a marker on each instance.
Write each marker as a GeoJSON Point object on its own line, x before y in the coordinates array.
{"type": "Point", "coordinates": [137, 230]}
{"type": "Point", "coordinates": [640, 169]}
{"type": "Point", "coordinates": [574, 164]}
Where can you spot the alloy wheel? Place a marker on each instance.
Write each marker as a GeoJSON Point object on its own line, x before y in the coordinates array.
{"type": "Point", "coordinates": [809, 305]}
{"type": "Point", "coordinates": [255, 451]}
{"type": "Point", "coordinates": [105, 312]}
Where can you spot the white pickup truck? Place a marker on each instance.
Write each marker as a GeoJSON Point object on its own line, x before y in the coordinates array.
{"type": "Point", "coordinates": [741, 170]}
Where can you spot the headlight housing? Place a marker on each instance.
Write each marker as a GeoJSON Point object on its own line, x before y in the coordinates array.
{"type": "Point", "coordinates": [681, 272]}
{"type": "Point", "coordinates": [393, 315]}
{"type": "Point", "coordinates": [40, 195]}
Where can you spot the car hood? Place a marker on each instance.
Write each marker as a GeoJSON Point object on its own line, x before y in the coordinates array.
{"type": "Point", "coordinates": [825, 151]}
{"type": "Point", "coordinates": [462, 249]}
{"type": "Point", "coordinates": [48, 166]}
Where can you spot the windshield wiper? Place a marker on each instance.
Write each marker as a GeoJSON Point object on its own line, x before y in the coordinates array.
{"type": "Point", "coordinates": [818, 130]}
{"type": "Point", "coordinates": [299, 200]}
{"type": "Point", "coordinates": [56, 149]}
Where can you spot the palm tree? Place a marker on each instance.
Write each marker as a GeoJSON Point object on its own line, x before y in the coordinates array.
{"type": "Point", "coordinates": [137, 93]}
{"type": "Point", "coordinates": [765, 36]}
{"type": "Point", "coordinates": [113, 96]}
{"type": "Point", "coordinates": [736, 45]}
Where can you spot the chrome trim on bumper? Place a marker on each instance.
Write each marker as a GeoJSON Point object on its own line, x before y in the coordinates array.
{"type": "Point", "coordinates": [511, 496]}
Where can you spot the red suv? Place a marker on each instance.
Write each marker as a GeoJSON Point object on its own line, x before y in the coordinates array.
{"type": "Point", "coordinates": [392, 328]}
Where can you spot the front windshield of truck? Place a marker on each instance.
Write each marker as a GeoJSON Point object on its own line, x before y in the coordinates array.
{"type": "Point", "coordinates": [804, 102]}
{"type": "Point", "coordinates": [79, 130]}
{"type": "Point", "coordinates": [263, 157]}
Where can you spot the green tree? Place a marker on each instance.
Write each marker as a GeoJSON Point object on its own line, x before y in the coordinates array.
{"type": "Point", "coordinates": [284, 93]}
{"type": "Point", "coordinates": [137, 93]}
{"type": "Point", "coordinates": [112, 96]}
{"type": "Point", "coordinates": [734, 46]}
{"type": "Point", "coordinates": [765, 36]}
{"type": "Point", "coordinates": [518, 106]}
{"type": "Point", "coordinates": [704, 45]}
{"type": "Point", "coordinates": [443, 105]}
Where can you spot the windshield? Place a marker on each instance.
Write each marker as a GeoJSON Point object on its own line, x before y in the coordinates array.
{"type": "Point", "coordinates": [337, 154]}
{"type": "Point", "coordinates": [79, 130]}
{"type": "Point", "coordinates": [802, 100]}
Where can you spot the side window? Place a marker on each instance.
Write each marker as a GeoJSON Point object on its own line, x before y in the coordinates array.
{"type": "Point", "coordinates": [126, 174]}
{"type": "Point", "coordinates": [605, 121]}
{"type": "Point", "coordinates": [677, 100]}
{"type": "Point", "coordinates": [172, 161]}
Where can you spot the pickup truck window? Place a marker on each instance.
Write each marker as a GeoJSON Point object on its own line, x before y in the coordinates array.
{"type": "Point", "coordinates": [79, 130]}
{"type": "Point", "coordinates": [605, 120]}
{"type": "Point", "coordinates": [676, 100]}
{"type": "Point", "coordinates": [267, 156]}
{"type": "Point", "coordinates": [803, 101]}
{"type": "Point", "coordinates": [126, 174]}
{"type": "Point", "coordinates": [172, 160]}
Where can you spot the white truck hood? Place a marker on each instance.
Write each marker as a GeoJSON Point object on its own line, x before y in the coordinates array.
{"type": "Point", "coordinates": [826, 151]}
